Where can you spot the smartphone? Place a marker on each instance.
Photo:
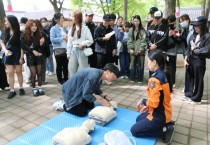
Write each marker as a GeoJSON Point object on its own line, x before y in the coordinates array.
{"type": "Point", "coordinates": [176, 31]}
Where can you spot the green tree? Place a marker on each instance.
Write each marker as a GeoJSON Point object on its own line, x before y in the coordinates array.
{"type": "Point", "coordinates": [2, 15]}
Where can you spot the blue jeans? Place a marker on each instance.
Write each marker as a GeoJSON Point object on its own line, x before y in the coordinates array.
{"type": "Point", "coordinates": [137, 67]}
{"type": "Point", "coordinates": [49, 61]}
{"type": "Point", "coordinates": [124, 62]}
{"type": "Point", "coordinates": [78, 60]}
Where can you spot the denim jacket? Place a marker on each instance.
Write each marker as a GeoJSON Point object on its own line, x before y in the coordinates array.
{"type": "Point", "coordinates": [55, 36]}
{"type": "Point", "coordinates": [81, 86]}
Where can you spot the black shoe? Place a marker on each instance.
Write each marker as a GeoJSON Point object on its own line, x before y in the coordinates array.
{"type": "Point", "coordinates": [40, 92]}
{"type": "Point", "coordinates": [21, 92]}
{"type": "Point", "coordinates": [35, 93]}
{"type": "Point", "coordinates": [11, 95]}
{"type": "Point", "coordinates": [168, 135]}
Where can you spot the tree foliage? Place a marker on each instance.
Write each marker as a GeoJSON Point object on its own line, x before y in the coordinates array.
{"type": "Point", "coordinates": [2, 15]}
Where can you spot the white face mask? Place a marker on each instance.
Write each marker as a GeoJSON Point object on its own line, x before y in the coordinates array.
{"type": "Point", "coordinates": [22, 27]}
{"type": "Point", "coordinates": [44, 24]}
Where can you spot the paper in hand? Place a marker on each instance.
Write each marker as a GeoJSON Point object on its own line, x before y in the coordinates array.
{"type": "Point", "coordinates": [110, 34]}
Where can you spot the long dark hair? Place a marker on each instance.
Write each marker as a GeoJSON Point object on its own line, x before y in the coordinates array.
{"type": "Point", "coordinates": [56, 18]}
{"type": "Point", "coordinates": [204, 29]}
{"type": "Point", "coordinates": [139, 28]}
{"type": "Point", "coordinates": [158, 56]}
{"type": "Point", "coordinates": [16, 29]}
{"type": "Point", "coordinates": [78, 21]}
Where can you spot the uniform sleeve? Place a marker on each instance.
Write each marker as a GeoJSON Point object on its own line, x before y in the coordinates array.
{"type": "Point", "coordinates": [154, 88]}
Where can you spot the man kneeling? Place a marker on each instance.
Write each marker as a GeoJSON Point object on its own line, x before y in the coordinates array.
{"type": "Point", "coordinates": [79, 89]}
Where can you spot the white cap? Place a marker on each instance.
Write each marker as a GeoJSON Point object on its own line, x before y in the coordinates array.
{"type": "Point", "coordinates": [89, 12]}
{"type": "Point", "coordinates": [158, 14]}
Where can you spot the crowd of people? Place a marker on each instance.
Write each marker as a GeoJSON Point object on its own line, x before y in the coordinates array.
{"type": "Point", "coordinates": [32, 44]}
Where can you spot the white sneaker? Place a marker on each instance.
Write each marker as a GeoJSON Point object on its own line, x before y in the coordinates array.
{"type": "Point", "coordinates": [122, 77]}
{"type": "Point", "coordinates": [139, 82]}
{"type": "Point", "coordinates": [47, 72]}
{"type": "Point", "coordinates": [132, 81]}
{"type": "Point", "coordinates": [50, 74]}
{"type": "Point", "coordinates": [189, 101]}
{"type": "Point", "coordinates": [106, 82]}
{"type": "Point", "coordinates": [126, 77]}
{"type": "Point", "coordinates": [184, 98]}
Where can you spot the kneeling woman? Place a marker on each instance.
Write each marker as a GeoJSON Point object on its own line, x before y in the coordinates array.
{"type": "Point", "coordinates": [156, 110]}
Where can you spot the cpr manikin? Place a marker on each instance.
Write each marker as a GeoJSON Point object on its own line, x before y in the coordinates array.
{"type": "Point", "coordinates": [102, 114]}
{"type": "Point", "coordinates": [75, 135]}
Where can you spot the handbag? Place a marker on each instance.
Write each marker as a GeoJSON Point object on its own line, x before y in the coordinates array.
{"type": "Point", "coordinates": [88, 51]}
{"type": "Point", "coordinates": [60, 51]}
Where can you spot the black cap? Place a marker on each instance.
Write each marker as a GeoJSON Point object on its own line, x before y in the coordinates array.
{"type": "Point", "coordinates": [112, 16]}
{"type": "Point", "coordinates": [153, 10]}
{"type": "Point", "coordinates": [106, 17]}
{"type": "Point", "coordinates": [200, 20]}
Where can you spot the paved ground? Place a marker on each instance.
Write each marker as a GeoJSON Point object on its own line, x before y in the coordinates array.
{"type": "Point", "coordinates": [23, 113]}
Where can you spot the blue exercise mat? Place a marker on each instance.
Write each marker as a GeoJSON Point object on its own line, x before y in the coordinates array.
{"type": "Point", "coordinates": [42, 135]}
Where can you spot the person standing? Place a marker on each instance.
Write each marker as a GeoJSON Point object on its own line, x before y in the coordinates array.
{"type": "Point", "coordinates": [91, 25]}
{"type": "Point", "coordinates": [105, 45]}
{"type": "Point", "coordinates": [137, 45]}
{"type": "Point", "coordinates": [49, 61]}
{"type": "Point", "coordinates": [32, 43]}
{"type": "Point", "coordinates": [118, 35]}
{"type": "Point", "coordinates": [27, 72]}
{"type": "Point", "coordinates": [59, 38]}
{"type": "Point", "coordinates": [79, 38]}
{"type": "Point", "coordinates": [13, 58]}
{"type": "Point", "coordinates": [3, 76]}
{"type": "Point", "coordinates": [152, 20]}
{"type": "Point", "coordinates": [195, 61]}
{"type": "Point", "coordinates": [124, 56]}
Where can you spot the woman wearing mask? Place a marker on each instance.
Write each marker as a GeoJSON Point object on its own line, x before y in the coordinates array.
{"type": "Point", "coordinates": [49, 61]}
{"type": "Point", "coordinates": [32, 43]}
{"type": "Point", "coordinates": [13, 58]}
{"type": "Point", "coordinates": [182, 39]}
{"type": "Point", "coordinates": [59, 37]}
{"type": "Point", "coordinates": [195, 61]}
{"type": "Point", "coordinates": [79, 38]}
{"type": "Point", "coordinates": [137, 46]}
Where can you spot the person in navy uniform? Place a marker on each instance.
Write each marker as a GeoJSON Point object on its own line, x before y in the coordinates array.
{"type": "Point", "coordinates": [156, 110]}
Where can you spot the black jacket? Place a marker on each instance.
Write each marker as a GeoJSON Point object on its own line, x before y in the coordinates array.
{"type": "Point", "coordinates": [158, 35]}
{"type": "Point", "coordinates": [104, 47]}
{"type": "Point", "coordinates": [92, 28]}
{"type": "Point", "coordinates": [203, 50]}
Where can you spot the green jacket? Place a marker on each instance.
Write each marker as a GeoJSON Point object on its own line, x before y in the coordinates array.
{"type": "Point", "coordinates": [137, 45]}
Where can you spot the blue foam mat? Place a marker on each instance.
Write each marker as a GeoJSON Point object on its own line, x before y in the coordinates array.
{"type": "Point", "coordinates": [42, 135]}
